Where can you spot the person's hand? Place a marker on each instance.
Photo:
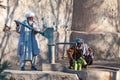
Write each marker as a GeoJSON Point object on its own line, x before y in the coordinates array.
{"type": "Point", "coordinates": [83, 56]}
{"type": "Point", "coordinates": [6, 28]}
{"type": "Point", "coordinates": [43, 33]}
{"type": "Point", "coordinates": [17, 24]}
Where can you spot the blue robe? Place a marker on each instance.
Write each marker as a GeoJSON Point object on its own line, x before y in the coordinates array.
{"type": "Point", "coordinates": [27, 45]}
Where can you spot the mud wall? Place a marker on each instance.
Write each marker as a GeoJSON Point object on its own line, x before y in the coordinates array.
{"type": "Point", "coordinates": [97, 22]}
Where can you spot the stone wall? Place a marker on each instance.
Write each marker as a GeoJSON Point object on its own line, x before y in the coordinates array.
{"type": "Point", "coordinates": [96, 16]}
{"type": "Point", "coordinates": [97, 22]}
{"type": "Point", "coordinates": [48, 13]}
{"type": "Point", "coordinates": [106, 45]}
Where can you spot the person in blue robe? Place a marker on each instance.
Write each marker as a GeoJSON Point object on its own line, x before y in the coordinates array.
{"type": "Point", "coordinates": [28, 47]}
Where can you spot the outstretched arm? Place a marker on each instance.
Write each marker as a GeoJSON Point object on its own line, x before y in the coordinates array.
{"type": "Point", "coordinates": [29, 27]}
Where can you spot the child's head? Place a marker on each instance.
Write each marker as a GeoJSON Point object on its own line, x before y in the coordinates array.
{"type": "Point", "coordinates": [90, 49]}
{"type": "Point", "coordinates": [79, 42]}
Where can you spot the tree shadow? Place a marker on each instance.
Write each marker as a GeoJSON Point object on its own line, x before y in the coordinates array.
{"type": "Point", "coordinates": [10, 15]}
{"type": "Point", "coordinates": [57, 15]}
{"type": "Point", "coordinates": [68, 12]}
{"type": "Point", "coordinates": [109, 52]}
{"type": "Point", "coordinates": [5, 41]}
{"type": "Point", "coordinates": [7, 33]}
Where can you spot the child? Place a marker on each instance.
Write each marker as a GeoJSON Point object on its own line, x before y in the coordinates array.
{"type": "Point", "coordinates": [89, 56]}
